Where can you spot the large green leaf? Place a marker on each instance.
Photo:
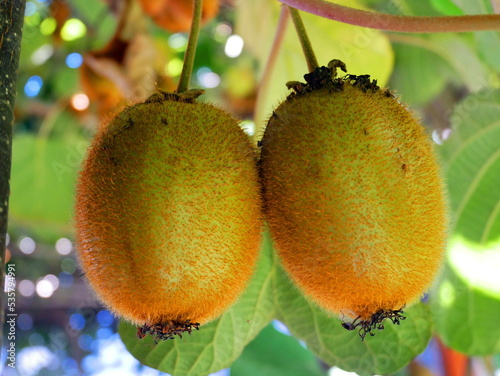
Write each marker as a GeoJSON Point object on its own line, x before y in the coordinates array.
{"type": "Point", "coordinates": [386, 352]}
{"type": "Point", "coordinates": [450, 57]}
{"type": "Point", "coordinates": [42, 184]}
{"type": "Point", "coordinates": [276, 354]}
{"type": "Point", "coordinates": [446, 7]}
{"type": "Point", "coordinates": [471, 159]}
{"type": "Point", "coordinates": [216, 345]}
{"type": "Point", "coordinates": [419, 74]}
{"type": "Point", "coordinates": [466, 304]}
{"type": "Point", "coordinates": [487, 42]}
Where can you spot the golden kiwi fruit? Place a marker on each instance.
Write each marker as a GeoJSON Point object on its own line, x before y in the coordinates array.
{"type": "Point", "coordinates": [169, 214]}
{"type": "Point", "coordinates": [354, 198]}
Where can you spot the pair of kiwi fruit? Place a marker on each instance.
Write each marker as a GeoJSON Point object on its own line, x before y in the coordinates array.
{"type": "Point", "coordinates": [172, 196]}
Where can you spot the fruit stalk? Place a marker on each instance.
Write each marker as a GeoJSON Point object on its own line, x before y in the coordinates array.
{"type": "Point", "coordinates": [390, 22]}
{"type": "Point", "coordinates": [187, 67]}
{"type": "Point", "coordinates": [312, 62]}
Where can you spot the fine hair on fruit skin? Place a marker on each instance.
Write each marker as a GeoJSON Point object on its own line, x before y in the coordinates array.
{"type": "Point", "coordinates": [354, 197]}
{"type": "Point", "coordinates": [168, 213]}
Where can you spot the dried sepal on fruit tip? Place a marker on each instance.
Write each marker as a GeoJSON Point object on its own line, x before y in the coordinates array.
{"type": "Point", "coordinates": [168, 330]}
{"type": "Point", "coordinates": [374, 322]}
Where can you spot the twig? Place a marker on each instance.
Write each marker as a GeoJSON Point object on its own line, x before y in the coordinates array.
{"type": "Point", "coordinates": [390, 22]}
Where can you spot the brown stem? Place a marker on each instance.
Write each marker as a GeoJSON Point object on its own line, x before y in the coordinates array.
{"type": "Point", "coordinates": [390, 22]}
{"type": "Point", "coordinates": [11, 21]}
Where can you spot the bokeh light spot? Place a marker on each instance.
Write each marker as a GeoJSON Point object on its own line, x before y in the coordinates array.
{"type": "Point", "coordinates": [105, 318]}
{"type": "Point", "coordinates": [30, 9]}
{"type": "Point", "coordinates": [65, 280]}
{"type": "Point", "coordinates": [234, 46]}
{"type": "Point", "coordinates": [222, 31]}
{"type": "Point", "coordinates": [44, 288]}
{"type": "Point", "coordinates": [33, 86]}
{"type": "Point", "coordinates": [42, 54]}
{"type": "Point", "coordinates": [90, 363]}
{"type": "Point", "coordinates": [73, 29]}
{"type": "Point", "coordinates": [26, 288]}
{"type": "Point", "coordinates": [54, 281]}
{"type": "Point", "coordinates": [64, 246]}
{"type": "Point", "coordinates": [178, 42]}
{"type": "Point", "coordinates": [74, 60]}
{"type": "Point", "coordinates": [85, 342]}
{"type": "Point", "coordinates": [80, 101]}
{"type": "Point", "coordinates": [70, 366]}
{"type": "Point", "coordinates": [25, 321]}
{"type": "Point", "coordinates": [31, 360]}
{"type": "Point", "coordinates": [48, 26]}
{"type": "Point", "coordinates": [77, 321]}
{"type": "Point", "coordinates": [104, 333]}
{"type": "Point", "coordinates": [27, 245]}
{"type": "Point", "coordinates": [68, 265]}
{"type": "Point", "coordinates": [174, 67]}
{"type": "Point", "coordinates": [209, 80]}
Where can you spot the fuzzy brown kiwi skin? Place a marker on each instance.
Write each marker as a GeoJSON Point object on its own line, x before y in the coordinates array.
{"type": "Point", "coordinates": [168, 234]}
{"type": "Point", "coordinates": [366, 136]}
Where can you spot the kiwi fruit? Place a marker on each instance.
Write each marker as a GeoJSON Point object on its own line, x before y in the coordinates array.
{"type": "Point", "coordinates": [169, 213]}
{"type": "Point", "coordinates": [354, 198]}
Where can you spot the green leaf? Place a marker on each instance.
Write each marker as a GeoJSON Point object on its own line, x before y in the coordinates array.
{"type": "Point", "coordinates": [459, 62]}
{"type": "Point", "coordinates": [489, 48]}
{"type": "Point", "coordinates": [447, 7]}
{"type": "Point", "coordinates": [386, 352]}
{"type": "Point", "coordinates": [275, 354]}
{"type": "Point", "coordinates": [42, 184]}
{"type": "Point", "coordinates": [461, 54]}
{"type": "Point", "coordinates": [474, 7]}
{"type": "Point", "coordinates": [466, 315]}
{"type": "Point", "coordinates": [471, 159]}
{"type": "Point", "coordinates": [487, 43]}
{"type": "Point", "coordinates": [218, 344]}
{"type": "Point", "coordinates": [99, 20]}
{"type": "Point", "coordinates": [467, 300]}
{"type": "Point", "coordinates": [419, 74]}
